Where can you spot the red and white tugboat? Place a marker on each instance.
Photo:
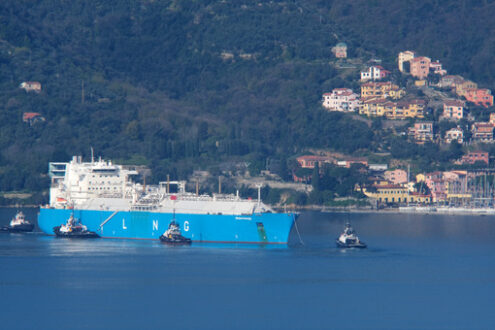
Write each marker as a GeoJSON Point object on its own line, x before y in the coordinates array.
{"type": "Point", "coordinates": [18, 224]}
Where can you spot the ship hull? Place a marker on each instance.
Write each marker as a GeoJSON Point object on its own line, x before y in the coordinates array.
{"type": "Point", "coordinates": [264, 228]}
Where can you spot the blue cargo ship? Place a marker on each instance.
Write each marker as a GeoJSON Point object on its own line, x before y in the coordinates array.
{"type": "Point", "coordinates": [102, 196]}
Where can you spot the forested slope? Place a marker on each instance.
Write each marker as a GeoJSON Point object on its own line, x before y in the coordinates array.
{"type": "Point", "coordinates": [180, 85]}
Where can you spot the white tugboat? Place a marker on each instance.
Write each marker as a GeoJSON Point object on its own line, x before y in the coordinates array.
{"type": "Point", "coordinates": [349, 239]}
{"type": "Point", "coordinates": [73, 229]}
{"type": "Point", "coordinates": [18, 224]}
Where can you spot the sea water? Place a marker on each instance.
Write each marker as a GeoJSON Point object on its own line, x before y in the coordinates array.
{"type": "Point", "coordinates": [419, 272]}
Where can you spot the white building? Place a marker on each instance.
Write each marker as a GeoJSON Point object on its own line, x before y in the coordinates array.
{"type": "Point", "coordinates": [341, 99]}
{"type": "Point", "coordinates": [436, 67]}
{"type": "Point", "coordinates": [405, 57]}
{"type": "Point", "coordinates": [454, 134]}
{"type": "Point", "coordinates": [31, 86]}
{"type": "Point", "coordinates": [375, 72]}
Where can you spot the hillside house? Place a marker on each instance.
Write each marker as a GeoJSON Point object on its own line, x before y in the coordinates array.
{"type": "Point", "coordinates": [454, 134]}
{"type": "Point", "coordinates": [436, 68]}
{"type": "Point", "coordinates": [462, 88]}
{"type": "Point", "coordinates": [381, 90]}
{"type": "Point", "coordinates": [453, 109]}
{"type": "Point", "coordinates": [473, 157]}
{"type": "Point", "coordinates": [310, 161]}
{"type": "Point", "coordinates": [340, 50]}
{"type": "Point", "coordinates": [404, 57]}
{"type": "Point", "coordinates": [376, 107]}
{"type": "Point", "coordinates": [482, 132]}
{"type": "Point", "coordinates": [32, 118]}
{"type": "Point", "coordinates": [421, 132]}
{"type": "Point", "coordinates": [341, 99]}
{"type": "Point", "coordinates": [480, 96]}
{"type": "Point", "coordinates": [375, 72]}
{"type": "Point", "coordinates": [450, 81]}
{"type": "Point", "coordinates": [420, 67]}
{"type": "Point", "coordinates": [379, 107]}
{"type": "Point", "coordinates": [349, 161]}
{"type": "Point", "coordinates": [414, 108]}
{"type": "Point", "coordinates": [31, 86]}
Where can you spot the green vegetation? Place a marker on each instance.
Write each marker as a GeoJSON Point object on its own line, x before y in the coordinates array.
{"type": "Point", "coordinates": [184, 85]}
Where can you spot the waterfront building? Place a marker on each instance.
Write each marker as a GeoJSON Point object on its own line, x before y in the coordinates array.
{"type": "Point", "coordinates": [395, 194]}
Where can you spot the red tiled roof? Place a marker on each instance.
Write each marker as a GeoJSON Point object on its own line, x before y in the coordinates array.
{"type": "Point", "coordinates": [454, 103]}
{"type": "Point", "coordinates": [29, 115]}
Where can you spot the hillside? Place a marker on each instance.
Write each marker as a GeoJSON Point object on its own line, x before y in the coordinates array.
{"type": "Point", "coordinates": [184, 85]}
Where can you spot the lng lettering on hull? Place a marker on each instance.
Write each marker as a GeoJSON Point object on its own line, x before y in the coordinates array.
{"type": "Point", "coordinates": [102, 196]}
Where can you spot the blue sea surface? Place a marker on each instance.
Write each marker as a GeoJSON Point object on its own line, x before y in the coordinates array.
{"type": "Point", "coordinates": [419, 272]}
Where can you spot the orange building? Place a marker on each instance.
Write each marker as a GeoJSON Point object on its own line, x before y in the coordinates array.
{"type": "Point", "coordinates": [480, 96]}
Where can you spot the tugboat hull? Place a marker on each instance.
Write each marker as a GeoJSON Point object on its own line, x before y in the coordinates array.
{"type": "Point", "coordinates": [75, 234]}
{"type": "Point", "coordinates": [359, 245]}
{"type": "Point", "coordinates": [21, 228]}
{"type": "Point", "coordinates": [181, 240]}
{"type": "Point", "coordinates": [17, 229]}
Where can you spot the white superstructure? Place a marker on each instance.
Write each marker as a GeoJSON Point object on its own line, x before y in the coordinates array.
{"type": "Point", "coordinates": [102, 185]}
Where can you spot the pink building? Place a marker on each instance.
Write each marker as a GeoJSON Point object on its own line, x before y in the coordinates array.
{"type": "Point", "coordinates": [341, 99]}
{"type": "Point", "coordinates": [397, 176]}
{"type": "Point", "coordinates": [438, 186]}
{"type": "Point", "coordinates": [480, 96]}
{"type": "Point", "coordinates": [453, 109]}
{"type": "Point", "coordinates": [420, 67]}
{"type": "Point", "coordinates": [422, 132]}
{"type": "Point", "coordinates": [375, 72]}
